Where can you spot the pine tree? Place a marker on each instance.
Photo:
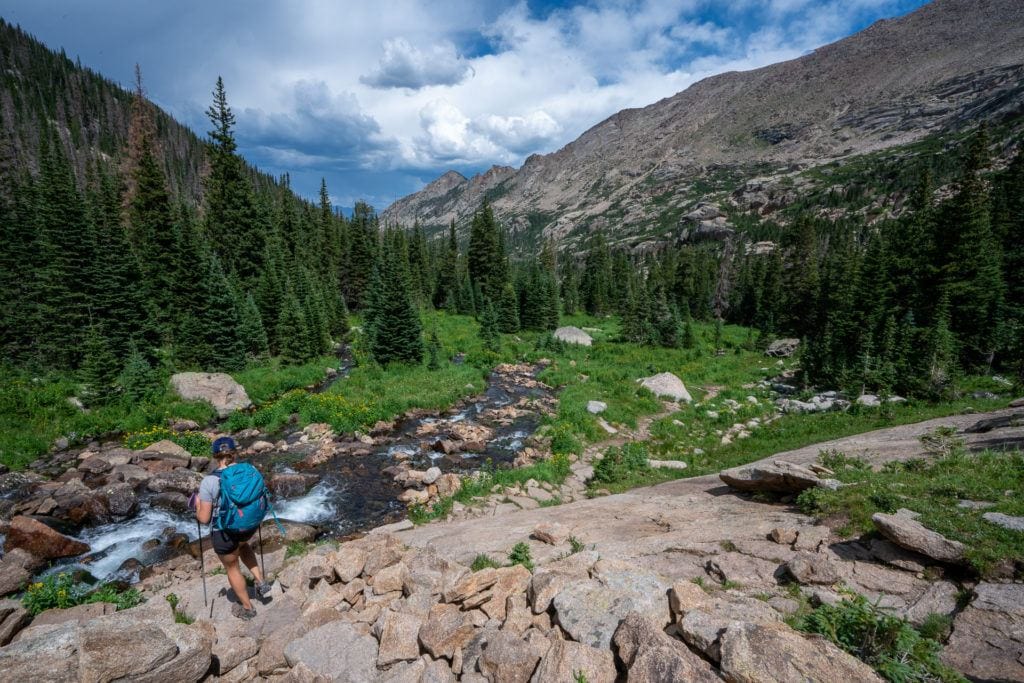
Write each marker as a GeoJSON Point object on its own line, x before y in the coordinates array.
{"type": "Point", "coordinates": [434, 351]}
{"type": "Point", "coordinates": [488, 266]}
{"type": "Point", "coordinates": [99, 367]}
{"type": "Point", "coordinates": [292, 334]}
{"type": "Point", "coordinates": [250, 326]}
{"type": "Point", "coordinates": [138, 380]}
{"type": "Point", "coordinates": [393, 326]}
{"type": "Point", "coordinates": [362, 255]}
{"type": "Point", "coordinates": [489, 333]}
{"type": "Point", "coordinates": [508, 310]}
{"type": "Point", "coordinates": [596, 283]}
{"type": "Point", "coordinates": [231, 218]}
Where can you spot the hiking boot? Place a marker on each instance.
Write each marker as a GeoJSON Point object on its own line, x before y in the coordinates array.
{"type": "Point", "coordinates": [242, 613]}
{"type": "Point", "coordinates": [263, 589]}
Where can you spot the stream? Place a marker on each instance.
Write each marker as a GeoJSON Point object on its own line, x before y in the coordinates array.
{"type": "Point", "coordinates": [351, 493]}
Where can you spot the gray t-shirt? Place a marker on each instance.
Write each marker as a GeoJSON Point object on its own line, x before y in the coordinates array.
{"type": "Point", "coordinates": [209, 492]}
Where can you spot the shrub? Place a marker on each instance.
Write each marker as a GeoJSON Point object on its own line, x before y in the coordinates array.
{"type": "Point", "coordinates": [620, 462]}
{"type": "Point", "coordinates": [62, 591]}
{"type": "Point", "coordinates": [482, 561]}
{"type": "Point", "coordinates": [889, 644]}
{"type": "Point", "coordinates": [520, 554]}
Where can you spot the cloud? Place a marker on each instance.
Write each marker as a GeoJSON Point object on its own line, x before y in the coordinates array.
{"type": "Point", "coordinates": [406, 66]}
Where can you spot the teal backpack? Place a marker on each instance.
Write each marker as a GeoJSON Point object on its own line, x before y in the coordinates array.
{"type": "Point", "coordinates": [244, 498]}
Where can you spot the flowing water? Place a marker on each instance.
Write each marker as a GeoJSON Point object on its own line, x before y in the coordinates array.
{"type": "Point", "coordinates": [352, 493]}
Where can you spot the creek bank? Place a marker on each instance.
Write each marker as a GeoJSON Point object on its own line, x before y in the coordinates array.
{"type": "Point", "coordinates": [129, 506]}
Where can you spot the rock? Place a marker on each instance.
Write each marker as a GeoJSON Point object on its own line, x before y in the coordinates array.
{"type": "Point", "coordinates": [509, 659]}
{"type": "Point", "coordinates": [448, 485]}
{"type": "Point", "coordinates": [1017, 403]}
{"type": "Point", "coordinates": [390, 579]}
{"type": "Point", "coordinates": [184, 425]}
{"type": "Point", "coordinates": [13, 617]}
{"type": "Point", "coordinates": [231, 651]}
{"type": "Point", "coordinates": [437, 671]}
{"type": "Point", "coordinates": [493, 601]}
{"type": "Point", "coordinates": [777, 476]}
{"type": "Point", "coordinates": [565, 660]}
{"type": "Point", "coordinates": [16, 567]}
{"type": "Point", "coordinates": [590, 610]}
{"type": "Point", "coordinates": [649, 654]}
{"type": "Point", "coordinates": [216, 388]}
{"type": "Point", "coordinates": [431, 475]}
{"type": "Point", "coordinates": [94, 465]}
{"type": "Point", "coordinates": [171, 500]}
{"type": "Point", "coordinates": [133, 475]}
{"type": "Point", "coordinates": [573, 335]}
{"type": "Point", "coordinates": [120, 499]}
{"type": "Point", "coordinates": [551, 533]}
{"type": "Point", "coordinates": [293, 532]}
{"type": "Point", "coordinates": [903, 529]}
{"type": "Point", "coordinates": [785, 606]}
{"type": "Point", "coordinates": [445, 630]}
{"type": "Point", "coordinates": [135, 646]}
{"type": "Point", "coordinates": [337, 650]}
{"type": "Point", "coordinates": [869, 400]}
{"type": "Point", "coordinates": [179, 480]}
{"type": "Point", "coordinates": [667, 464]}
{"type": "Point", "coordinates": [41, 541]}
{"type": "Point", "coordinates": [808, 567]}
{"type": "Point", "coordinates": [1005, 521]}
{"type": "Point", "coordinates": [607, 427]}
{"type": "Point", "coordinates": [986, 643]}
{"type": "Point", "coordinates": [78, 614]}
{"type": "Point", "coordinates": [702, 631]}
{"type": "Point", "coordinates": [782, 348]}
{"type": "Point", "coordinates": [52, 656]}
{"type": "Point", "coordinates": [596, 407]}
{"type": "Point", "coordinates": [291, 484]}
{"type": "Point", "coordinates": [399, 633]}
{"type": "Point", "coordinates": [261, 446]}
{"type": "Point", "coordinates": [668, 385]}
{"type": "Point", "coordinates": [165, 449]}
{"type": "Point", "coordinates": [394, 527]}
{"type": "Point", "coordinates": [755, 653]}
{"type": "Point", "coordinates": [892, 554]}
{"type": "Point", "coordinates": [782, 535]}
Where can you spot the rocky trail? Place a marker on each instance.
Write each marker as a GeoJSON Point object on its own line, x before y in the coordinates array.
{"type": "Point", "coordinates": [687, 580]}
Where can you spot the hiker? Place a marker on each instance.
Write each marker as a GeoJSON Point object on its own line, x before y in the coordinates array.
{"type": "Point", "coordinates": [235, 499]}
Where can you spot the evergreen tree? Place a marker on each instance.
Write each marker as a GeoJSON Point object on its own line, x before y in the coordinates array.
{"type": "Point", "coordinates": [231, 217]}
{"type": "Point", "coordinates": [138, 380]}
{"type": "Point", "coordinates": [362, 255]}
{"type": "Point", "coordinates": [393, 326]}
{"type": "Point", "coordinates": [434, 351]}
{"type": "Point", "coordinates": [596, 283]}
{"type": "Point", "coordinates": [489, 332]}
{"type": "Point", "coordinates": [508, 310]}
{"type": "Point", "coordinates": [488, 267]}
{"type": "Point", "coordinates": [291, 333]}
{"type": "Point", "coordinates": [250, 326]}
{"type": "Point", "coordinates": [99, 367]}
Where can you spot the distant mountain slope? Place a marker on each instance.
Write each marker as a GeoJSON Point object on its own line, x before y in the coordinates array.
{"type": "Point", "coordinates": [636, 174]}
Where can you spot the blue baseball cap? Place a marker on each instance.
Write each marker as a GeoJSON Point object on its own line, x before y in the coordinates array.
{"type": "Point", "coordinates": [224, 443]}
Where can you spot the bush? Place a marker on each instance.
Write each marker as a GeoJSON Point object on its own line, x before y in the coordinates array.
{"type": "Point", "coordinates": [889, 644]}
{"type": "Point", "coordinates": [520, 554]}
{"type": "Point", "coordinates": [62, 591]}
{"type": "Point", "coordinates": [621, 462]}
{"type": "Point", "coordinates": [482, 561]}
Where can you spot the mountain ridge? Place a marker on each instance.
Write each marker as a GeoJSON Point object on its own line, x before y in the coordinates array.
{"type": "Point", "coordinates": [940, 68]}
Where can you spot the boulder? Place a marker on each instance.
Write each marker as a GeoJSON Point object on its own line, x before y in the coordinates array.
{"type": "Point", "coordinates": [776, 476]}
{"type": "Point", "coordinates": [39, 540]}
{"type": "Point", "coordinates": [431, 475]}
{"type": "Point", "coordinates": [650, 654]}
{"type": "Point", "coordinates": [596, 407]}
{"type": "Point", "coordinates": [590, 610]}
{"type": "Point", "coordinates": [754, 653]}
{"type": "Point", "coordinates": [809, 567]}
{"type": "Point", "coordinates": [904, 530]}
{"type": "Point", "coordinates": [986, 643]}
{"type": "Point", "coordinates": [573, 335]}
{"type": "Point", "coordinates": [551, 533]}
{"type": "Point", "coordinates": [16, 567]}
{"type": "Point", "coordinates": [349, 562]}
{"type": "Point", "coordinates": [445, 630]}
{"type": "Point", "coordinates": [52, 656]}
{"type": "Point", "coordinates": [13, 617]}
{"type": "Point", "coordinates": [179, 480]}
{"type": "Point", "coordinates": [665, 384]}
{"type": "Point", "coordinates": [78, 614]}
{"type": "Point", "coordinates": [509, 659]}
{"type": "Point", "coordinates": [782, 348]}
{"type": "Point", "coordinates": [120, 498]}
{"type": "Point", "coordinates": [398, 636]}
{"type": "Point", "coordinates": [216, 388]}
{"type": "Point", "coordinates": [229, 652]}
{"type": "Point", "coordinates": [337, 650]}
{"type": "Point", "coordinates": [1006, 521]}
{"type": "Point", "coordinates": [291, 484]}
{"type": "Point", "coordinates": [165, 449]}
{"type": "Point", "coordinates": [869, 400]}
{"type": "Point", "coordinates": [1017, 403]}
{"type": "Point", "coordinates": [565, 660]}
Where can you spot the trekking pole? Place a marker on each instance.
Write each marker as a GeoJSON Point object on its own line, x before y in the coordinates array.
{"type": "Point", "coordinates": [263, 565]}
{"type": "Point", "coordinates": [202, 563]}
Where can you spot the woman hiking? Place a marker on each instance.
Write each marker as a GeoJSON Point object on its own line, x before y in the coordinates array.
{"type": "Point", "coordinates": [234, 498]}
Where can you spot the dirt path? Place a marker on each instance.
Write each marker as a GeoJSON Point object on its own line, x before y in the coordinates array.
{"type": "Point", "coordinates": [672, 527]}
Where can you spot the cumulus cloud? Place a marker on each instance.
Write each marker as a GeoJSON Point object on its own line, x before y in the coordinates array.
{"type": "Point", "coordinates": [379, 97]}
{"type": "Point", "coordinates": [406, 66]}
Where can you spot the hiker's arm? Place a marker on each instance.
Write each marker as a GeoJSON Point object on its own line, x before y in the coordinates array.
{"type": "Point", "coordinates": [204, 511]}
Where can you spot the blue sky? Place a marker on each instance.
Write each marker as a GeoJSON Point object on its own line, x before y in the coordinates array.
{"type": "Point", "coordinates": [381, 98]}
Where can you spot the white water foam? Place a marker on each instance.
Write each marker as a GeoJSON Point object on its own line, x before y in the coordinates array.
{"type": "Point", "coordinates": [123, 540]}
{"type": "Point", "coordinates": [315, 506]}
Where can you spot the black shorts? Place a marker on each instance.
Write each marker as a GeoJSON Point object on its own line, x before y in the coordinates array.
{"type": "Point", "coordinates": [227, 542]}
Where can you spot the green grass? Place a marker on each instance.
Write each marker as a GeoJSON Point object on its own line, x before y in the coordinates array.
{"type": "Point", "coordinates": [62, 591]}
{"type": "Point", "coordinates": [34, 409]}
{"type": "Point", "coordinates": [933, 488]}
{"type": "Point", "coordinates": [891, 645]}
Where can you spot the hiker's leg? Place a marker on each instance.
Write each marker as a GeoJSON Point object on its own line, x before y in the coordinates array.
{"type": "Point", "coordinates": [236, 579]}
{"type": "Point", "coordinates": [248, 558]}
